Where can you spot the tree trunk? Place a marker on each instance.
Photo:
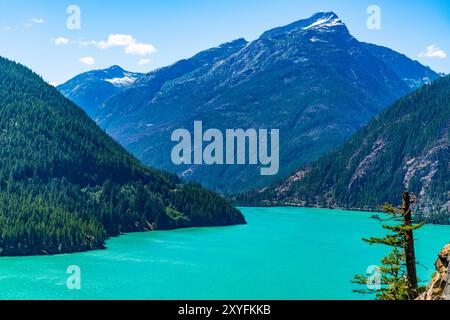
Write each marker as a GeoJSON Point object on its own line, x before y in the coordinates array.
{"type": "Point", "coordinates": [409, 249]}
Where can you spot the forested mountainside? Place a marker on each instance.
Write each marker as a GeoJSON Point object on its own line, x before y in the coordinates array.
{"type": "Point", "coordinates": [312, 80]}
{"type": "Point", "coordinates": [66, 186]}
{"type": "Point", "coordinates": [405, 148]}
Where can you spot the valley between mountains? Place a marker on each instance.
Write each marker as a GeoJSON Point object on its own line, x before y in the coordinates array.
{"type": "Point", "coordinates": [90, 159]}
{"type": "Point", "coordinates": [311, 79]}
{"type": "Point", "coordinates": [359, 123]}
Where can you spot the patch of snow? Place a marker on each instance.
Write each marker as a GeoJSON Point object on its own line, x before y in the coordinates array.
{"type": "Point", "coordinates": [188, 172]}
{"type": "Point", "coordinates": [331, 21]}
{"type": "Point", "coordinates": [125, 81]}
{"type": "Point", "coordinates": [314, 39]}
{"type": "Point", "coordinates": [301, 60]}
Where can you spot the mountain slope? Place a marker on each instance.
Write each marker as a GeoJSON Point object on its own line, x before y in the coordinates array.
{"type": "Point", "coordinates": [146, 89]}
{"type": "Point", "coordinates": [411, 72]}
{"type": "Point", "coordinates": [311, 80]}
{"type": "Point", "coordinates": [405, 148]}
{"type": "Point", "coordinates": [66, 186]}
{"type": "Point", "coordinates": [91, 89]}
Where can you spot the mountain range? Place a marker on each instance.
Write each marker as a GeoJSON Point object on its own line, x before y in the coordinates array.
{"type": "Point", "coordinates": [311, 79]}
{"type": "Point", "coordinates": [405, 148]}
{"type": "Point", "coordinates": [66, 186]}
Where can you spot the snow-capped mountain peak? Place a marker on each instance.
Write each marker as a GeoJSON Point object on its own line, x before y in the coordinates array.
{"type": "Point", "coordinates": [321, 21]}
{"type": "Point", "coordinates": [327, 22]}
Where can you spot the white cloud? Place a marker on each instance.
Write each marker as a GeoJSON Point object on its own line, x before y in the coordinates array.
{"type": "Point", "coordinates": [126, 41]}
{"type": "Point", "coordinates": [144, 61]}
{"type": "Point", "coordinates": [89, 61]}
{"type": "Point", "coordinates": [37, 20]}
{"type": "Point", "coordinates": [131, 45]}
{"type": "Point", "coordinates": [85, 43]}
{"type": "Point", "coordinates": [34, 21]}
{"type": "Point", "coordinates": [140, 49]}
{"type": "Point", "coordinates": [61, 41]}
{"type": "Point", "coordinates": [117, 40]}
{"type": "Point", "coordinates": [433, 51]}
{"type": "Point", "coordinates": [7, 28]}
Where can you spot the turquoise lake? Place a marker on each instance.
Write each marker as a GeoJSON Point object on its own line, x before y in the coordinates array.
{"type": "Point", "coordinates": [283, 253]}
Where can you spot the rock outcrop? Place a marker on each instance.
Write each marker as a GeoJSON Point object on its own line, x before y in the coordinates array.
{"type": "Point", "coordinates": [439, 287]}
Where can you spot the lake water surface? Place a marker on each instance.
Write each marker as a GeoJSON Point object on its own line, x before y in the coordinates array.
{"type": "Point", "coordinates": [283, 253]}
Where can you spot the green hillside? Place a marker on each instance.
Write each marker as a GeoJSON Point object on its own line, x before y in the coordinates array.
{"type": "Point", "coordinates": [405, 148]}
{"type": "Point", "coordinates": [66, 186]}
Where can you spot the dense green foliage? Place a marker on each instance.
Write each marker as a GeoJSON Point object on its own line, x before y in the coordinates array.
{"type": "Point", "coordinates": [405, 148]}
{"type": "Point", "coordinates": [391, 282]}
{"type": "Point", "coordinates": [66, 186]}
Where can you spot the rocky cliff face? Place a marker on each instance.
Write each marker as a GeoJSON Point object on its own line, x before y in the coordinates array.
{"type": "Point", "coordinates": [439, 287]}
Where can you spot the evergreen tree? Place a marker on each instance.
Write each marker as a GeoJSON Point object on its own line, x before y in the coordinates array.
{"type": "Point", "coordinates": [398, 277]}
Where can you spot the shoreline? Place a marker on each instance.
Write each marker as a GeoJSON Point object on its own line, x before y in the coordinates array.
{"type": "Point", "coordinates": [309, 207]}
{"type": "Point", "coordinates": [329, 208]}
{"type": "Point", "coordinates": [118, 236]}
{"type": "Point", "coordinates": [204, 226]}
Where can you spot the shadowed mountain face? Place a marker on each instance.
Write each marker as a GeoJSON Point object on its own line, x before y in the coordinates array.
{"type": "Point", "coordinates": [405, 148]}
{"type": "Point", "coordinates": [312, 80]}
{"type": "Point", "coordinates": [411, 72]}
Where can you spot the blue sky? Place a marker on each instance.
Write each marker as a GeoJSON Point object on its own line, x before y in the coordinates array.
{"type": "Point", "coordinates": [158, 33]}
